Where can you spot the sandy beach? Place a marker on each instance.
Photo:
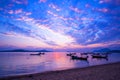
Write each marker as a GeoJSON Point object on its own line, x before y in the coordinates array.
{"type": "Point", "coordinates": [100, 72]}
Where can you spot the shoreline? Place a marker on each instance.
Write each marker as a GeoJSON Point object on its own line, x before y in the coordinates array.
{"type": "Point", "coordinates": [109, 71]}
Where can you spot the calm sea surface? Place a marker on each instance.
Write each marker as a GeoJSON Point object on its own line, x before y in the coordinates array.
{"type": "Point", "coordinates": [19, 63]}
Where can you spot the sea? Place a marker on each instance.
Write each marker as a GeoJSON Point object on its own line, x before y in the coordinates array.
{"type": "Point", "coordinates": [21, 63]}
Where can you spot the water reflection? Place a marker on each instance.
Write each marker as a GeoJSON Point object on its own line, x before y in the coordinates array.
{"type": "Point", "coordinates": [14, 63]}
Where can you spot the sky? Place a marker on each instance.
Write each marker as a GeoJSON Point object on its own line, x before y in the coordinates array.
{"type": "Point", "coordinates": [59, 24]}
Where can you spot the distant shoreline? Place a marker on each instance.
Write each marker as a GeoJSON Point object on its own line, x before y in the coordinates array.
{"type": "Point", "coordinates": [99, 72]}
{"type": "Point", "coordinates": [25, 51]}
{"type": "Point", "coordinates": [44, 50]}
{"type": "Point", "coordinates": [22, 50]}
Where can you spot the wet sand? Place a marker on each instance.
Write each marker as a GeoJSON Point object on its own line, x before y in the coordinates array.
{"type": "Point", "coordinates": [100, 72]}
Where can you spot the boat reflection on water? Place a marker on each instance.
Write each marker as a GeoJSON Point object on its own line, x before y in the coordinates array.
{"type": "Point", "coordinates": [40, 53]}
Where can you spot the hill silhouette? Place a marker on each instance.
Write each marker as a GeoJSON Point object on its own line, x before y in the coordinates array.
{"type": "Point", "coordinates": [22, 50]}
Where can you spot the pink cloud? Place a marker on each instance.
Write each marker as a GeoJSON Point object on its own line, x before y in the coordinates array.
{"type": "Point", "coordinates": [20, 1]}
{"type": "Point", "coordinates": [104, 10]}
{"type": "Point", "coordinates": [104, 1]}
{"type": "Point", "coordinates": [15, 11]}
{"type": "Point", "coordinates": [18, 11]}
{"type": "Point", "coordinates": [42, 1]}
{"type": "Point", "coordinates": [28, 13]}
{"type": "Point", "coordinates": [75, 9]}
{"type": "Point", "coordinates": [85, 18]}
{"type": "Point", "coordinates": [11, 12]}
{"type": "Point", "coordinates": [59, 17]}
{"type": "Point", "coordinates": [63, 18]}
{"type": "Point", "coordinates": [49, 12]}
{"type": "Point", "coordinates": [54, 7]}
{"type": "Point", "coordinates": [25, 18]}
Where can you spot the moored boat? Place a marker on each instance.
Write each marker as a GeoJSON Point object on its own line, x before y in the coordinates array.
{"type": "Point", "coordinates": [70, 54]}
{"type": "Point", "coordinates": [99, 56]}
{"type": "Point", "coordinates": [79, 58]}
{"type": "Point", "coordinates": [34, 54]}
{"type": "Point", "coordinates": [38, 53]}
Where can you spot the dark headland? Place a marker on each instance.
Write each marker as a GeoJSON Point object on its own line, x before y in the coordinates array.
{"type": "Point", "coordinates": [23, 50]}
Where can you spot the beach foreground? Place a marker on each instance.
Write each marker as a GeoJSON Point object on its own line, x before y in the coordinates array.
{"type": "Point", "coordinates": [100, 72]}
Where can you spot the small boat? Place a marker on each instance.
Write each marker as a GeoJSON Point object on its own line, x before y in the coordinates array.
{"type": "Point", "coordinates": [38, 53]}
{"type": "Point", "coordinates": [34, 54]}
{"type": "Point", "coordinates": [70, 54]}
{"type": "Point", "coordinates": [79, 58]}
{"type": "Point", "coordinates": [41, 53]}
{"type": "Point", "coordinates": [99, 56]}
